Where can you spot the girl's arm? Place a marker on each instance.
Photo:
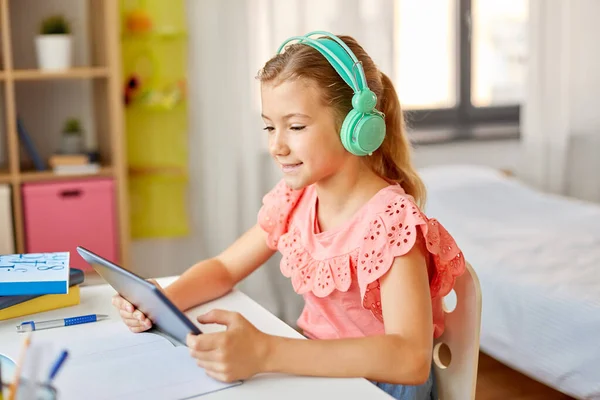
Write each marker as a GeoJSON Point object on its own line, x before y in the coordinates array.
{"type": "Point", "coordinates": [215, 277]}
{"type": "Point", "coordinates": [402, 356]}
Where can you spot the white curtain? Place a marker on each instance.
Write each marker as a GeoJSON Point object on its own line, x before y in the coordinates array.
{"type": "Point", "coordinates": [560, 123]}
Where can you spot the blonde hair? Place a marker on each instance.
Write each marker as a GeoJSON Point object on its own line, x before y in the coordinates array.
{"type": "Point", "coordinates": [393, 160]}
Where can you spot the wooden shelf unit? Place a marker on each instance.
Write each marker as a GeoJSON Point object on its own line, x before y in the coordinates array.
{"type": "Point", "coordinates": [104, 75]}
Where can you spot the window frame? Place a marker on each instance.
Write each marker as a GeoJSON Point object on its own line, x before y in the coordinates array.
{"type": "Point", "coordinates": [464, 121]}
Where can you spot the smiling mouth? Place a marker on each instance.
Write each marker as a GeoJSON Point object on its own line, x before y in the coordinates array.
{"type": "Point", "coordinates": [290, 167]}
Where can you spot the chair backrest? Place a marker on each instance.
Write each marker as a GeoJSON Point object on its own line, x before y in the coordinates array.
{"type": "Point", "coordinates": [456, 351]}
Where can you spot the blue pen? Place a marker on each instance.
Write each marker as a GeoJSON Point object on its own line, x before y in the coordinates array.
{"type": "Point", "coordinates": [29, 326]}
{"type": "Point", "coordinates": [59, 362]}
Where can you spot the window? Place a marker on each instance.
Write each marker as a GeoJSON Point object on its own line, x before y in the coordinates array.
{"type": "Point", "coordinates": [460, 64]}
{"type": "Point", "coordinates": [426, 56]}
{"type": "Point", "coordinates": [498, 52]}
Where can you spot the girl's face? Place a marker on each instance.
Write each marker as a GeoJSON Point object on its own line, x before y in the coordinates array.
{"type": "Point", "coordinates": [302, 135]}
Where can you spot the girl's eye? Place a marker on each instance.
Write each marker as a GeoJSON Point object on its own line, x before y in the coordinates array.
{"type": "Point", "coordinates": [268, 128]}
{"type": "Point", "coordinates": [297, 127]}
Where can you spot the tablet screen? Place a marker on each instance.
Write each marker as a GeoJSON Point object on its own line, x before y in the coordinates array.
{"type": "Point", "coordinates": [144, 296]}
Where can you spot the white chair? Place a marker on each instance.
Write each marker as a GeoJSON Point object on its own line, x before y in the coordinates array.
{"type": "Point", "coordinates": [456, 352]}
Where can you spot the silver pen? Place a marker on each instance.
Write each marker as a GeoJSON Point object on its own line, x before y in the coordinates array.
{"type": "Point", "coordinates": [29, 326]}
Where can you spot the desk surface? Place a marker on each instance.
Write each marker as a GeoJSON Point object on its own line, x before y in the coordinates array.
{"type": "Point", "coordinates": [96, 299]}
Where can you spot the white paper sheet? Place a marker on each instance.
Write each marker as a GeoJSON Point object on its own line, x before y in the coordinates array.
{"type": "Point", "coordinates": [123, 365]}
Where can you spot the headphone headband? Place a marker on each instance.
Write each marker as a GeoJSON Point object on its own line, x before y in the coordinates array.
{"type": "Point", "coordinates": [355, 84]}
{"type": "Point", "coordinates": [363, 129]}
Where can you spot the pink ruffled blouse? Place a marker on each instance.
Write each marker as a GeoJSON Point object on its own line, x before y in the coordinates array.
{"type": "Point", "coordinates": [338, 271]}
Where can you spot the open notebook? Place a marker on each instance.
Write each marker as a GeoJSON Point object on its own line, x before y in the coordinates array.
{"type": "Point", "coordinates": [113, 363]}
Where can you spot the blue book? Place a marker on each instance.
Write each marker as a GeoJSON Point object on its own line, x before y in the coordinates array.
{"type": "Point", "coordinates": [76, 277]}
{"type": "Point", "coordinates": [34, 273]}
{"type": "Point", "coordinates": [27, 141]}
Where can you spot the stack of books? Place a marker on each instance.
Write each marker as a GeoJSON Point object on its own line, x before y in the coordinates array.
{"type": "Point", "coordinates": [37, 282]}
{"type": "Point", "coordinates": [73, 164]}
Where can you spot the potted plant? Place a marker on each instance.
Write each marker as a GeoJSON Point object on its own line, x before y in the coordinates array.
{"type": "Point", "coordinates": [72, 137]}
{"type": "Point", "coordinates": [54, 43]}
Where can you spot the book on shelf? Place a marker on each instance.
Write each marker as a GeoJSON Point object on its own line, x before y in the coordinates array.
{"type": "Point", "coordinates": [91, 168]}
{"type": "Point", "coordinates": [58, 159]}
{"type": "Point", "coordinates": [74, 164]}
{"type": "Point", "coordinates": [30, 148]}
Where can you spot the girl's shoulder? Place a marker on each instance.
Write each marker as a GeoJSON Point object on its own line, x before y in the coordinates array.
{"type": "Point", "coordinates": [385, 199]}
{"type": "Point", "coordinates": [390, 206]}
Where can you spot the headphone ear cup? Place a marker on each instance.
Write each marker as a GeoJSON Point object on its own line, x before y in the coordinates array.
{"type": "Point", "coordinates": [362, 134]}
{"type": "Point", "coordinates": [348, 129]}
{"type": "Point", "coordinates": [369, 133]}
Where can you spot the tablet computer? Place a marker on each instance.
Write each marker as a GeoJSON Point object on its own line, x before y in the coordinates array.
{"type": "Point", "coordinates": [143, 295]}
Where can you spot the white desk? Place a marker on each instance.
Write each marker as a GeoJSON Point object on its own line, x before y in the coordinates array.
{"type": "Point", "coordinates": [96, 299]}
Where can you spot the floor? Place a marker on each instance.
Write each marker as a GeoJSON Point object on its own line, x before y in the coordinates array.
{"type": "Point", "coordinates": [495, 381]}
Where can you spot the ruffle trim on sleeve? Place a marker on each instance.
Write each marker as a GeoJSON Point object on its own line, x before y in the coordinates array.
{"type": "Point", "coordinates": [274, 215]}
{"type": "Point", "coordinates": [393, 233]}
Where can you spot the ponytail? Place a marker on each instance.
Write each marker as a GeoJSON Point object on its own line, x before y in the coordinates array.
{"type": "Point", "coordinates": [393, 160]}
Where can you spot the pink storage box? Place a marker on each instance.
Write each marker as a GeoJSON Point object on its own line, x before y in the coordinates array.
{"type": "Point", "coordinates": [59, 216]}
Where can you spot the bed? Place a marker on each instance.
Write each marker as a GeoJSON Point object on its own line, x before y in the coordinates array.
{"type": "Point", "coordinates": [537, 256]}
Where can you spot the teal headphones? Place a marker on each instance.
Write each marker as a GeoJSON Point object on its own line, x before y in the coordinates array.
{"type": "Point", "coordinates": [363, 129]}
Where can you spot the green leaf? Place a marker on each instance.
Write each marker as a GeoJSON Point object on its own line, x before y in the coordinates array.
{"type": "Point", "coordinates": [55, 25]}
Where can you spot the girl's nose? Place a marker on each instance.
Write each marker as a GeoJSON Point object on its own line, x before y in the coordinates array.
{"type": "Point", "coordinates": [278, 145]}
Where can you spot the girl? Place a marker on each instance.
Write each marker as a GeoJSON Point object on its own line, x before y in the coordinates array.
{"type": "Point", "coordinates": [346, 217]}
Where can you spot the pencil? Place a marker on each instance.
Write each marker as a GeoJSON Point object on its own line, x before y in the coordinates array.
{"type": "Point", "coordinates": [15, 383]}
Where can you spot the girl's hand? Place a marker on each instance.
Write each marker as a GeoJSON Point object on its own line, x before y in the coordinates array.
{"type": "Point", "coordinates": [238, 353]}
{"type": "Point", "coordinates": [133, 318]}
{"type": "Point", "coordinates": [136, 320]}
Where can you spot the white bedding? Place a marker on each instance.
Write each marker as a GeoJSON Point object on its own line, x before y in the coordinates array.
{"type": "Point", "coordinates": [538, 260]}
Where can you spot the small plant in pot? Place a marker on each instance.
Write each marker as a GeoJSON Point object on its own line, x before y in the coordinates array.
{"type": "Point", "coordinates": [54, 44]}
{"type": "Point", "coordinates": [72, 137]}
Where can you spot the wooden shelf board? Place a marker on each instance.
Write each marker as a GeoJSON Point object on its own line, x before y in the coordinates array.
{"type": "Point", "coordinates": [44, 176]}
{"type": "Point", "coordinates": [5, 176]}
{"type": "Point", "coordinates": [73, 73]}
